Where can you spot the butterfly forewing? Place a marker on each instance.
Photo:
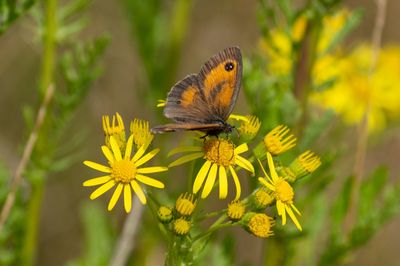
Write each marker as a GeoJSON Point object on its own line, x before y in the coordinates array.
{"type": "Point", "coordinates": [220, 79]}
{"type": "Point", "coordinates": [186, 102]}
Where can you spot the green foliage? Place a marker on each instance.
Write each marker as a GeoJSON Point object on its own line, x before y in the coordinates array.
{"type": "Point", "coordinates": [98, 236]}
{"type": "Point", "coordinates": [378, 203]}
{"type": "Point", "coordinates": [11, 236]}
{"type": "Point", "coordinates": [11, 10]}
{"type": "Point", "coordinates": [158, 32]}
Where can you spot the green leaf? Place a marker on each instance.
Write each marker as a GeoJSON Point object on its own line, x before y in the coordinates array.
{"type": "Point", "coordinates": [10, 10]}
{"type": "Point", "coordinates": [341, 205]}
{"type": "Point", "coordinates": [370, 190]}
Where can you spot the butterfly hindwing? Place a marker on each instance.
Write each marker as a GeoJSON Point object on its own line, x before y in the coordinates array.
{"type": "Point", "coordinates": [220, 79]}
{"type": "Point", "coordinates": [186, 126]}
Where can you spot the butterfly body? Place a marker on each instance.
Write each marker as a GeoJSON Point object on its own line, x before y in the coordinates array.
{"type": "Point", "coordinates": [204, 101]}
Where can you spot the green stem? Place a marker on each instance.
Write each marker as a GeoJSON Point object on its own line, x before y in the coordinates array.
{"type": "Point", "coordinates": [49, 42]}
{"type": "Point", "coordinates": [46, 79]}
{"type": "Point", "coordinates": [213, 227]}
{"type": "Point", "coordinates": [29, 249]}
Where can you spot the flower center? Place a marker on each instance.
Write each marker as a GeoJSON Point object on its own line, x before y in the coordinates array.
{"type": "Point", "coordinates": [219, 151]}
{"type": "Point", "coordinates": [123, 171]}
{"type": "Point", "coordinates": [284, 191]}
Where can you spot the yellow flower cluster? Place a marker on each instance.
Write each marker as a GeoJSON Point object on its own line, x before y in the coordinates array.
{"type": "Point", "coordinates": [357, 90]}
{"type": "Point", "coordinates": [123, 171]}
{"type": "Point", "coordinates": [280, 47]}
{"type": "Point", "coordinates": [179, 218]}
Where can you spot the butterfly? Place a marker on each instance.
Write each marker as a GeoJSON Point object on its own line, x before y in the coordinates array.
{"type": "Point", "coordinates": [204, 101]}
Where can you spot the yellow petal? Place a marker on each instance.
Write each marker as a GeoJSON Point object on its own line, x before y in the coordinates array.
{"type": "Point", "coordinates": [239, 117]}
{"type": "Point", "coordinates": [115, 196]}
{"type": "Point", "coordinates": [236, 181]}
{"type": "Point", "coordinates": [184, 149]}
{"type": "Point", "coordinates": [128, 149]}
{"type": "Point", "coordinates": [98, 167]}
{"type": "Point", "coordinates": [201, 175]}
{"type": "Point", "coordinates": [103, 189]}
{"type": "Point", "coordinates": [266, 183]}
{"type": "Point", "coordinates": [138, 191]}
{"type": "Point", "coordinates": [96, 181]}
{"type": "Point", "coordinates": [186, 158]}
{"type": "Point", "coordinates": [108, 154]}
{"type": "Point", "coordinates": [244, 163]}
{"type": "Point", "coordinates": [147, 157]}
{"type": "Point", "coordinates": [223, 183]}
{"type": "Point", "coordinates": [115, 149]}
{"type": "Point", "coordinates": [295, 209]}
{"type": "Point", "coordinates": [293, 217]}
{"type": "Point", "coordinates": [271, 166]}
{"type": "Point", "coordinates": [263, 169]}
{"type": "Point", "coordinates": [149, 181]}
{"type": "Point", "coordinates": [212, 175]}
{"type": "Point", "coordinates": [127, 198]}
{"type": "Point", "coordinates": [139, 153]}
{"type": "Point", "coordinates": [154, 169]}
{"type": "Point", "coordinates": [241, 148]}
{"type": "Point", "coordinates": [281, 211]}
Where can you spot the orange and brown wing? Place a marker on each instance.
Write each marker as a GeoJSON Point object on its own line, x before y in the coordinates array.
{"type": "Point", "coordinates": [186, 126]}
{"type": "Point", "coordinates": [220, 80]}
{"type": "Point", "coordinates": [186, 102]}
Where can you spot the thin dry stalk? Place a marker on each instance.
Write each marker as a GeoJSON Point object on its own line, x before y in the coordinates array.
{"type": "Point", "coordinates": [26, 155]}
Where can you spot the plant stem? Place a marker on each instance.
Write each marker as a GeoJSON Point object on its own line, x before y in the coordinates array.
{"type": "Point", "coordinates": [303, 69]}
{"type": "Point", "coordinates": [26, 155]}
{"type": "Point", "coordinates": [29, 250]}
{"type": "Point", "coordinates": [361, 148]}
{"type": "Point", "coordinates": [126, 241]}
{"type": "Point", "coordinates": [46, 78]}
{"type": "Point", "coordinates": [49, 41]}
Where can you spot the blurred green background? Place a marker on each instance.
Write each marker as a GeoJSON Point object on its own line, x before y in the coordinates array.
{"type": "Point", "coordinates": [212, 26]}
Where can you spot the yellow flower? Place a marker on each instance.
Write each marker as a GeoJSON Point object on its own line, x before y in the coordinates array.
{"type": "Point", "coordinates": [116, 129]}
{"type": "Point", "coordinates": [141, 133]}
{"type": "Point", "coordinates": [124, 172]}
{"type": "Point", "coordinates": [259, 224]}
{"type": "Point", "coordinates": [278, 141]}
{"type": "Point", "coordinates": [357, 91]}
{"type": "Point", "coordinates": [185, 204]}
{"type": "Point", "coordinates": [280, 48]}
{"type": "Point", "coordinates": [164, 214]}
{"type": "Point", "coordinates": [220, 156]}
{"type": "Point", "coordinates": [182, 226]}
{"type": "Point", "coordinates": [236, 210]}
{"type": "Point", "coordinates": [282, 192]}
{"type": "Point", "coordinates": [304, 164]}
{"type": "Point", "coordinates": [249, 129]}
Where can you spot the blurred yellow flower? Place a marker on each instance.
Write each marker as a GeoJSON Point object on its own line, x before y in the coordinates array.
{"type": "Point", "coordinates": [357, 90]}
{"type": "Point", "coordinates": [220, 155]}
{"type": "Point", "coordinates": [124, 172]}
{"type": "Point", "coordinates": [279, 48]}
